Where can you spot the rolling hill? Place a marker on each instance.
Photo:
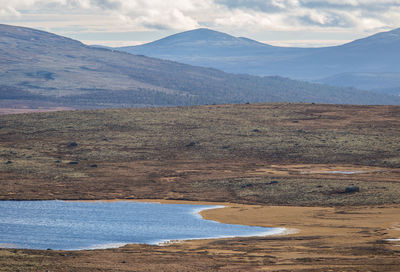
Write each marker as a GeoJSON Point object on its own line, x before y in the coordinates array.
{"type": "Point", "coordinates": [369, 63]}
{"type": "Point", "coordinates": [42, 68]}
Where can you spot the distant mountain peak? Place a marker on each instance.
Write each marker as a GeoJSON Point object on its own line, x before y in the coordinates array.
{"type": "Point", "coordinates": [36, 36]}
{"type": "Point", "coordinates": [377, 55]}
{"type": "Point", "coordinates": [387, 34]}
{"type": "Point", "coordinates": [206, 31]}
{"type": "Point", "coordinates": [394, 31]}
{"type": "Point", "coordinates": [391, 37]}
{"type": "Point", "coordinates": [196, 35]}
{"type": "Point", "coordinates": [201, 38]}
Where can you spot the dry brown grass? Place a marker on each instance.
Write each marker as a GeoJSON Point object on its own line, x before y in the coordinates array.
{"type": "Point", "coordinates": [265, 154]}
{"type": "Point", "coordinates": [146, 153]}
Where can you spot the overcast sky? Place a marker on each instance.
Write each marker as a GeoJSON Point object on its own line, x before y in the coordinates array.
{"type": "Point", "coordinates": [278, 22]}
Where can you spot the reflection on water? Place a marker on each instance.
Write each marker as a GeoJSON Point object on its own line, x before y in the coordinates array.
{"type": "Point", "coordinates": [94, 225]}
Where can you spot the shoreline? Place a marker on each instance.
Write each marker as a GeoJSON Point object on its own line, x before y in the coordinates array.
{"type": "Point", "coordinates": [278, 232]}
{"type": "Point", "coordinates": [326, 238]}
{"type": "Point", "coordinates": [293, 221]}
{"type": "Point", "coordinates": [196, 212]}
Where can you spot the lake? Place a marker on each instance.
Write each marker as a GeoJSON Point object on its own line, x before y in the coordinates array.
{"type": "Point", "coordinates": [68, 225]}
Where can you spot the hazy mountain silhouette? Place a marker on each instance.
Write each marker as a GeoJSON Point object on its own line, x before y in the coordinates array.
{"type": "Point", "coordinates": [40, 66]}
{"type": "Point", "coordinates": [369, 63]}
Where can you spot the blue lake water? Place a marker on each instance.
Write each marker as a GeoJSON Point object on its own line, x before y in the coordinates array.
{"type": "Point", "coordinates": [91, 225]}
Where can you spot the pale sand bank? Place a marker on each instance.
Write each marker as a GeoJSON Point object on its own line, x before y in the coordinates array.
{"type": "Point", "coordinates": [340, 225]}
{"type": "Point", "coordinates": [275, 231]}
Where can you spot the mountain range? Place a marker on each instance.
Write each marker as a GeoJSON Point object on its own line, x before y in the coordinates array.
{"type": "Point", "coordinates": [39, 67]}
{"type": "Point", "coordinates": [371, 63]}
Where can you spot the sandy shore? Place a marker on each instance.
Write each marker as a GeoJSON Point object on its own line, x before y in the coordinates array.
{"type": "Point", "coordinates": [339, 223]}
{"type": "Point", "coordinates": [296, 220]}
{"type": "Point", "coordinates": [318, 239]}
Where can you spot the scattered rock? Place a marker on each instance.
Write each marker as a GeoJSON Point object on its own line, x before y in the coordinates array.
{"type": "Point", "coordinates": [73, 162]}
{"type": "Point", "coordinates": [191, 144]}
{"type": "Point", "coordinates": [9, 162]}
{"type": "Point", "coordinates": [352, 189]}
{"type": "Point", "coordinates": [73, 144]}
{"type": "Point", "coordinates": [94, 165]}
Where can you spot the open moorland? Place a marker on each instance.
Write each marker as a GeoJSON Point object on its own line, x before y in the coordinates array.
{"type": "Point", "coordinates": [290, 165]}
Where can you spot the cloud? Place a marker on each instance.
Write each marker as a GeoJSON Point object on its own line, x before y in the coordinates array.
{"type": "Point", "coordinates": [178, 14]}
{"type": "Point", "coordinates": [6, 12]}
{"type": "Point", "coordinates": [360, 14]}
{"type": "Point", "coordinates": [187, 14]}
{"type": "Point", "coordinates": [260, 5]}
{"type": "Point", "coordinates": [154, 14]}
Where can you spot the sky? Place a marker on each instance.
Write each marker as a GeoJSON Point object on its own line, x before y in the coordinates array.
{"type": "Point", "coordinates": [304, 23]}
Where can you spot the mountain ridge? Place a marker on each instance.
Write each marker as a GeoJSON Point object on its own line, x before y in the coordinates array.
{"type": "Point", "coordinates": [376, 54]}
{"type": "Point", "coordinates": [203, 35]}
{"type": "Point", "coordinates": [45, 67]}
